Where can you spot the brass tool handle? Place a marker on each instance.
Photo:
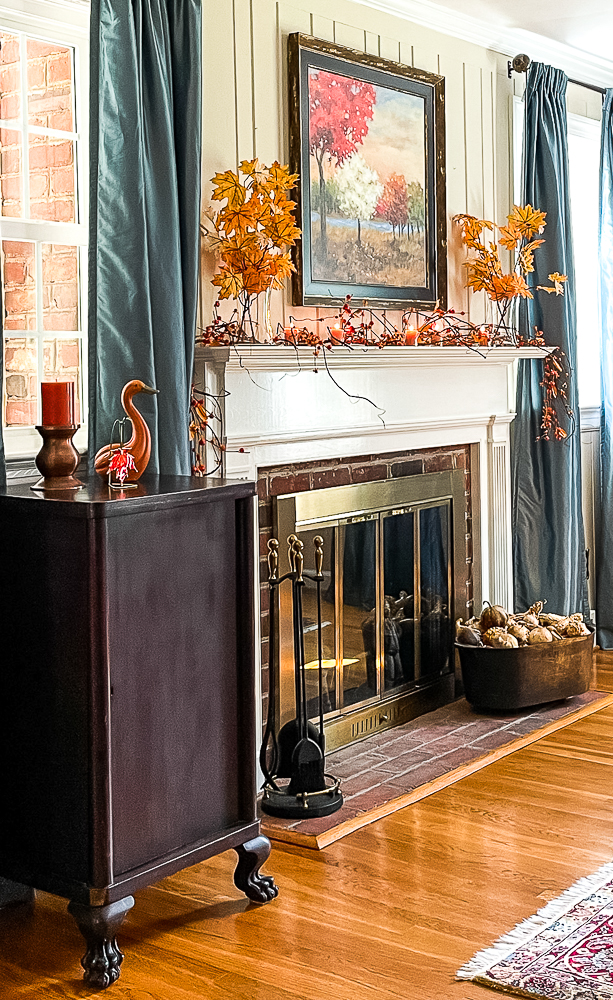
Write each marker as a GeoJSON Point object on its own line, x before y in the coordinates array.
{"type": "Point", "coordinates": [319, 555]}
{"type": "Point", "coordinates": [273, 559]}
{"type": "Point", "coordinates": [299, 558]}
{"type": "Point", "coordinates": [291, 552]}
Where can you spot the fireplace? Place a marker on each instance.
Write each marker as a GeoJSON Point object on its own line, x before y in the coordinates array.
{"type": "Point", "coordinates": [444, 410]}
{"type": "Point", "coordinates": [390, 548]}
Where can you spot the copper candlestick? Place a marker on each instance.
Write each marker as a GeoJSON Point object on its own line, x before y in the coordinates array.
{"type": "Point", "coordinates": [58, 458]}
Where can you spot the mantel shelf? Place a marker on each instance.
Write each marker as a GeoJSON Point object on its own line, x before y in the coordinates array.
{"type": "Point", "coordinates": [277, 358]}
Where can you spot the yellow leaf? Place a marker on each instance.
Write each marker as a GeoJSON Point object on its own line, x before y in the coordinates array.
{"type": "Point", "coordinates": [228, 185]}
{"type": "Point", "coordinates": [249, 167]}
{"type": "Point", "coordinates": [527, 220]}
{"type": "Point", "coordinates": [239, 220]}
{"type": "Point", "coordinates": [526, 255]}
{"type": "Point", "coordinates": [229, 284]}
{"type": "Point", "coordinates": [509, 236]}
{"type": "Point", "coordinates": [281, 178]}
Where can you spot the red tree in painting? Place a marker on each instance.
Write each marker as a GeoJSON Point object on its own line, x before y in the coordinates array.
{"type": "Point", "coordinates": [340, 109]}
{"type": "Point", "coordinates": [394, 202]}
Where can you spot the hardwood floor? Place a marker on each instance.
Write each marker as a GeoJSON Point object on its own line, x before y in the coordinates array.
{"type": "Point", "coordinates": [389, 912]}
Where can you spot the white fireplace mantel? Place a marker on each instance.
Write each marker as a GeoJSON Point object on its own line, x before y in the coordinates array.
{"type": "Point", "coordinates": [286, 405]}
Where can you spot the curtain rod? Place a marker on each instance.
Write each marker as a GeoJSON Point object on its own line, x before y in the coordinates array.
{"type": "Point", "coordinates": [521, 63]}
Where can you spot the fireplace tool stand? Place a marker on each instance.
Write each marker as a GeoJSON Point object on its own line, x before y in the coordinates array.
{"type": "Point", "coordinates": [293, 761]}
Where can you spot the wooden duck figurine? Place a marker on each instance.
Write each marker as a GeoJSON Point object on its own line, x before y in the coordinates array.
{"type": "Point", "coordinates": [139, 445]}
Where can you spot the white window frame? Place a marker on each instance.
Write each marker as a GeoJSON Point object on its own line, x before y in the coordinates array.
{"type": "Point", "coordinates": [65, 22]}
{"type": "Point", "coordinates": [587, 128]}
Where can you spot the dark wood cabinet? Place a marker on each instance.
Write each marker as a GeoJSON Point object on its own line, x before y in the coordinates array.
{"type": "Point", "coordinates": [127, 694]}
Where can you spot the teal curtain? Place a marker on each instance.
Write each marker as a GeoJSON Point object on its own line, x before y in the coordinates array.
{"type": "Point", "coordinates": [548, 535]}
{"type": "Point", "coordinates": [604, 592]}
{"type": "Point", "coordinates": [145, 128]}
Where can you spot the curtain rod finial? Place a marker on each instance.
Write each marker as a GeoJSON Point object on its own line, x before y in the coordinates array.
{"type": "Point", "coordinates": [521, 63]}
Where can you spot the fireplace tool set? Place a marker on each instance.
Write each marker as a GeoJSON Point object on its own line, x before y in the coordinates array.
{"type": "Point", "coordinates": [293, 760]}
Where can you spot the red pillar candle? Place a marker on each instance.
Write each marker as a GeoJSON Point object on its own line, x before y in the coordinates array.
{"type": "Point", "coordinates": [411, 337]}
{"type": "Point", "coordinates": [57, 404]}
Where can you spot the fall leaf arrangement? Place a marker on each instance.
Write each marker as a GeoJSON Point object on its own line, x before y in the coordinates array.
{"type": "Point", "coordinates": [252, 235]}
{"type": "Point", "coordinates": [485, 273]}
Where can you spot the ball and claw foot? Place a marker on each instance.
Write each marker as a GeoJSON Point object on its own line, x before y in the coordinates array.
{"type": "Point", "coordinates": [247, 876]}
{"type": "Point", "coordinates": [98, 925]}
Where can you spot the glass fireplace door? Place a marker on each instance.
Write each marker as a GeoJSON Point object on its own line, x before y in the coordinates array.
{"type": "Point", "coordinates": [385, 605]}
{"type": "Point", "coordinates": [387, 600]}
{"type": "Point", "coordinates": [417, 587]}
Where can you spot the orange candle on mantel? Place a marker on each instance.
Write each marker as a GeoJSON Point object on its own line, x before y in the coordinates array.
{"type": "Point", "coordinates": [57, 404]}
{"type": "Point", "coordinates": [411, 337]}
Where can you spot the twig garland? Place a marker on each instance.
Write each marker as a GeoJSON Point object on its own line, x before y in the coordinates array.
{"type": "Point", "coordinates": [556, 377]}
{"type": "Point", "coordinates": [204, 407]}
{"type": "Point", "coordinates": [358, 327]}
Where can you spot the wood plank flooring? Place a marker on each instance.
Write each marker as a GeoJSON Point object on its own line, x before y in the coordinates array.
{"type": "Point", "coordinates": [389, 912]}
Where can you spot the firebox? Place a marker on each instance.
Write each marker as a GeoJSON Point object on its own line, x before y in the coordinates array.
{"type": "Point", "coordinates": [390, 550]}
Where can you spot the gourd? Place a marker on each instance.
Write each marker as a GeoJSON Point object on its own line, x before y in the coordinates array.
{"type": "Point", "coordinates": [539, 634]}
{"type": "Point", "coordinates": [493, 616]}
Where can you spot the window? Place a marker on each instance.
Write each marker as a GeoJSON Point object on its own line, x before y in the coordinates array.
{"type": "Point", "coordinates": [43, 218]}
{"type": "Point", "coordinates": [584, 171]}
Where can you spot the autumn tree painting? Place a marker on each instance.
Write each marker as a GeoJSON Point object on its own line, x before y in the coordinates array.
{"type": "Point", "coordinates": [367, 179]}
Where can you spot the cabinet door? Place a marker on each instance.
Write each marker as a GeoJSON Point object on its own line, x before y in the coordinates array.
{"type": "Point", "coordinates": [176, 747]}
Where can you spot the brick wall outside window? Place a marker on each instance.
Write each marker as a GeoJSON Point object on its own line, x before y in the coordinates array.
{"type": "Point", "coordinates": [48, 102]}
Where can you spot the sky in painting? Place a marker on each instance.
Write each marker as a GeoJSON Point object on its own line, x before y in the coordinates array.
{"type": "Point", "coordinates": [395, 140]}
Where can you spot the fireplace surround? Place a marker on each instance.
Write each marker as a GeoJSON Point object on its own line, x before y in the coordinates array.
{"type": "Point", "coordinates": [292, 428]}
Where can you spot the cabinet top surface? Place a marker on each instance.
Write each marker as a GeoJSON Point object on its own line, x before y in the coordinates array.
{"type": "Point", "coordinates": [96, 499]}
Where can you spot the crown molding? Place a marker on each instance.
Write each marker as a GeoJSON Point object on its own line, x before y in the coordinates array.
{"type": "Point", "coordinates": [576, 63]}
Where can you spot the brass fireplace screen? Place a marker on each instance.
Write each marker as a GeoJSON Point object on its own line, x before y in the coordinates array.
{"type": "Point", "coordinates": [387, 599]}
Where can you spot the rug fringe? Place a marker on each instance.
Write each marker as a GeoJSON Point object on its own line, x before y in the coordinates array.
{"type": "Point", "coordinates": [528, 929]}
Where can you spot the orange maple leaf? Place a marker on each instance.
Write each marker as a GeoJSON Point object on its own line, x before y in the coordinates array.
{"type": "Point", "coordinates": [253, 232]}
{"type": "Point", "coordinates": [508, 286]}
{"type": "Point", "coordinates": [509, 236]}
{"type": "Point", "coordinates": [229, 283]}
{"type": "Point", "coordinates": [527, 220]}
{"type": "Point", "coordinates": [558, 284]}
{"type": "Point", "coordinates": [526, 255]}
{"type": "Point", "coordinates": [228, 185]}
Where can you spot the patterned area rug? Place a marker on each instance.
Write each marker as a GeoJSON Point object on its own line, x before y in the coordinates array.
{"type": "Point", "coordinates": [564, 952]}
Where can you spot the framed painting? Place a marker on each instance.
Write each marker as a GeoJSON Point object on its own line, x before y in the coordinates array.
{"type": "Point", "coordinates": [367, 139]}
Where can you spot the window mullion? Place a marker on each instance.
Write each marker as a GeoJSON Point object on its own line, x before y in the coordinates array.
{"type": "Point", "coordinates": [25, 151]}
{"type": "Point", "coordinates": [39, 321]}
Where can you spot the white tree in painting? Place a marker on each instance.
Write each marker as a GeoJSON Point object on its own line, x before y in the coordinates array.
{"type": "Point", "coordinates": [359, 189]}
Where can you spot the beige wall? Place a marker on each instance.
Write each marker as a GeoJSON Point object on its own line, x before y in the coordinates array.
{"type": "Point", "coordinates": [245, 98]}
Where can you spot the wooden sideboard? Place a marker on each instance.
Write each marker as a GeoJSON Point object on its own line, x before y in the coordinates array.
{"type": "Point", "coordinates": [127, 695]}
